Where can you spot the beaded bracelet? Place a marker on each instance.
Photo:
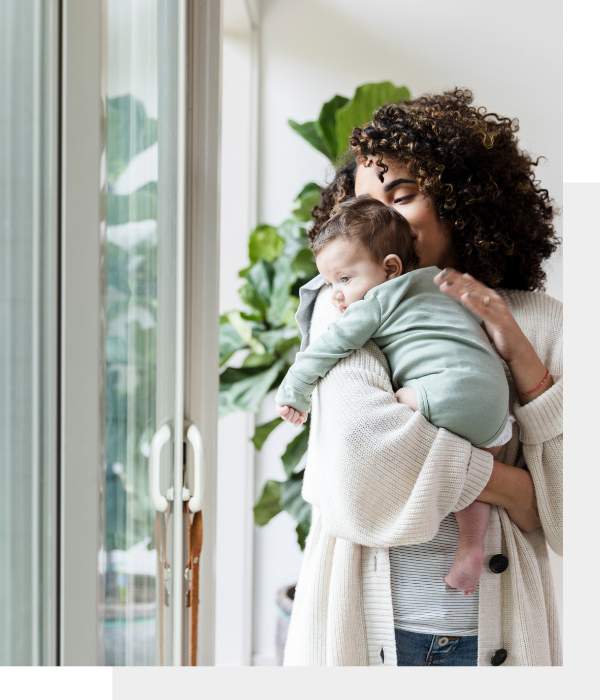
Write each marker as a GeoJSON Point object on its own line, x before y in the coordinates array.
{"type": "Point", "coordinates": [538, 386]}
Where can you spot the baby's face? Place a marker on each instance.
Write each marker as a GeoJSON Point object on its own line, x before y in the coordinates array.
{"type": "Point", "coordinates": [350, 271]}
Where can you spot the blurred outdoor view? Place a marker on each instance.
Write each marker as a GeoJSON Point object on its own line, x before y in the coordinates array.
{"type": "Point", "coordinates": [140, 302]}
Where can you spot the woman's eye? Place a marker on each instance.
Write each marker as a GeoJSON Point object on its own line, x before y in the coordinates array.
{"type": "Point", "coordinates": [403, 199]}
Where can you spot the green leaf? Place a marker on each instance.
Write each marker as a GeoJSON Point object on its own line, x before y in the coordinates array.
{"type": "Point", "coordinates": [308, 198]}
{"type": "Point", "coordinates": [295, 451]}
{"type": "Point", "coordinates": [291, 498]}
{"type": "Point", "coordinates": [262, 432]}
{"type": "Point", "coordinates": [260, 278]}
{"type": "Point", "coordinates": [302, 531]}
{"type": "Point", "coordinates": [269, 504]}
{"type": "Point", "coordinates": [326, 123]}
{"type": "Point", "coordinates": [294, 235]}
{"type": "Point", "coordinates": [265, 244]}
{"type": "Point", "coordinates": [289, 315]}
{"type": "Point", "coordinates": [249, 296]}
{"type": "Point", "coordinates": [244, 330]}
{"type": "Point", "coordinates": [288, 343]}
{"type": "Point", "coordinates": [243, 389]}
{"type": "Point", "coordinates": [229, 342]}
{"type": "Point", "coordinates": [309, 133]}
{"type": "Point", "coordinates": [282, 283]}
{"type": "Point", "coordinates": [304, 265]}
{"type": "Point", "coordinates": [291, 230]}
{"type": "Point", "coordinates": [280, 340]}
{"type": "Point", "coordinates": [360, 108]}
{"type": "Point", "coordinates": [264, 360]}
{"type": "Point", "coordinates": [270, 339]}
{"type": "Point", "coordinates": [256, 319]}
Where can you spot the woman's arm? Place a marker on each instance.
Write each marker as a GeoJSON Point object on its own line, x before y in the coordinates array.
{"type": "Point", "coordinates": [380, 474]}
{"type": "Point", "coordinates": [510, 320]}
{"type": "Point", "coordinates": [512, 488]}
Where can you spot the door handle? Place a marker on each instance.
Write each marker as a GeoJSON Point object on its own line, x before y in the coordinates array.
{"type": "Point", "coordinates": [195, 439]}
{"type": "Point", "coordinates": [161, 437]}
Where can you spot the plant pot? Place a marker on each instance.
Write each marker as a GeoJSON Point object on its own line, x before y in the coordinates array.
{"type": "Point", "coordinates": [285, 601]}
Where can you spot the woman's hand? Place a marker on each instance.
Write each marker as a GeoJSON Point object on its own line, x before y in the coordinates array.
{"type": "Point", "coordinates": [512, 489]}
{"type": "Point", "coordinates": [502, 329]}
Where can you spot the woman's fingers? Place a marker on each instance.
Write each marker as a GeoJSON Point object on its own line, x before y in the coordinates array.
{"type": "Point", "coordinates": [465, 288]}
{"type": "Point", "coordinates": [500, 325]}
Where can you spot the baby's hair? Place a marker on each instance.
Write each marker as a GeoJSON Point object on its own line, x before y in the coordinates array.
{"type": "Point", "coordinates": [380, 229]}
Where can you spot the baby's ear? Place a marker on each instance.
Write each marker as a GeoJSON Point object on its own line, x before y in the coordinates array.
{"type": "Point", "coordinates": [393, 266]}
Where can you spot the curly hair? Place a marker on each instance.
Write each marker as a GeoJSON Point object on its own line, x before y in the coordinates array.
{"type": "Point", "coordinates": [337, 191]}
{"type": "Point", "coordinates": [467, 161]}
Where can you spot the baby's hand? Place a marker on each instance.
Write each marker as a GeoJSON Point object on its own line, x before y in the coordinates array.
{"type": "Point", "coordinates": [407, 395]}
{"type": "Point", "coordinates": [291, 415]}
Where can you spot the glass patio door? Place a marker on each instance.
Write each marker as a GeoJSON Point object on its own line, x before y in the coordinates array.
{"type": "Point", "coordinates": [162, 67]}
{"type": "Point", "coordinates": [144, 352]}
{"type": "Point", "coordinates": [108, 330]}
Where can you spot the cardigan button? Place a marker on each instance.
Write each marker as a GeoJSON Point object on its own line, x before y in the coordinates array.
{"type": "Point", "coordinates": [498, 563]}
{"type": "Point", "coordinates": [499, 657]}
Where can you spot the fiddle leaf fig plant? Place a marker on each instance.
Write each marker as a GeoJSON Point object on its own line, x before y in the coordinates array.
{"type": "Point", "coordinates": [266, 333]}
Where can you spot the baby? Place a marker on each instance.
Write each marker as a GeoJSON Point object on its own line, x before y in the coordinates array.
{"type": "Point", "coordinates": [441, 360]}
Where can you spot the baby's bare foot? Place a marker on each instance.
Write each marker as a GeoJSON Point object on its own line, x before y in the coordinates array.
{"type": "Point", "coordinates": [466, 568]}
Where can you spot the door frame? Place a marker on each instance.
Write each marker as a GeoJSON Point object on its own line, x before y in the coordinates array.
{"type": "Point", "coordinates": [201, 400]}
{"type": "Point", "coordinates": [82, 225]}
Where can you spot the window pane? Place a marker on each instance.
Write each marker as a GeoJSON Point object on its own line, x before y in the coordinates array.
{"type": "Point", "coordinates": [27, 340]}
{"type": "Point", "coordinates": [140, 349]}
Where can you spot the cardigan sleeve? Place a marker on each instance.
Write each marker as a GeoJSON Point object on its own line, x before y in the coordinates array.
{"type": "Point", "coordinates": [540, 422]}
{"type": "Point", "coordinates": [380, 474]}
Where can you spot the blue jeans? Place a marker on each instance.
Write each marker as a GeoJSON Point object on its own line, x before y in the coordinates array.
{"type": "Point", "coordinates": [414, 649]}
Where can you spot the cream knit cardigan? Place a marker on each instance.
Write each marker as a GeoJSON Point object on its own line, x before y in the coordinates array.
{"type": "Point", "coordinates": [379, 475]}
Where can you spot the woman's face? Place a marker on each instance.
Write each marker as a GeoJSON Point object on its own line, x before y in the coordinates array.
{"type": "Point", "coordinates": [398, 188]}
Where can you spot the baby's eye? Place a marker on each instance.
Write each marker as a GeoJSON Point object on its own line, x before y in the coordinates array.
{"type": "Point", "coordinates": [345, 280]}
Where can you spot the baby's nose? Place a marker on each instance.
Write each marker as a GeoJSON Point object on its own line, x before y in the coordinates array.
{"type": "Point", "coordinates": [338, 295]}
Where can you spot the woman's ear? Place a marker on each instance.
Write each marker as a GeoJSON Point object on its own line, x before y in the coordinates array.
{"type": "Point", "coordinates": [393, 266]}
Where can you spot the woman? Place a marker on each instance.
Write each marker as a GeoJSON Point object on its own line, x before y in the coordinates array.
{"type": "Point", "coordinates": [384, 482]}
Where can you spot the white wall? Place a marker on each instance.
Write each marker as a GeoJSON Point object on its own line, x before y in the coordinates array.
{"type": "Point", "coordinates": [235, 483]}
{"type": "Point", "coordinates": [509, 54]}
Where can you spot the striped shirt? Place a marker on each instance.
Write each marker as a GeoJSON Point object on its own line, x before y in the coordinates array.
{"type": "Point", "coordinates": [422, 600]}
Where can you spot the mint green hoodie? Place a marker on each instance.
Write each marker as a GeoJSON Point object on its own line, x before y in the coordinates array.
{"type": "Point", "coordinates": [432, 343]}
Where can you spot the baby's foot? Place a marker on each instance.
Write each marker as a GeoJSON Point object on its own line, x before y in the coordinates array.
{"type": "Point", "coordinates": [466, 568]}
